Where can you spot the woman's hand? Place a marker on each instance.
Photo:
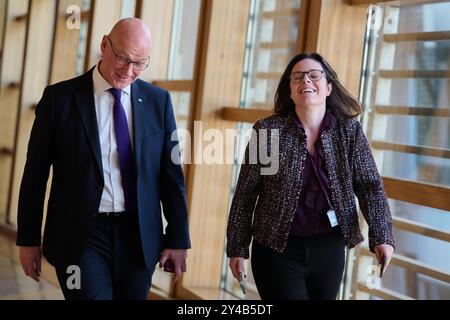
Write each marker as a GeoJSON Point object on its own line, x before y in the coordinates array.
{"type": "Point", "coordinates": [384, 250]}
{"type": "Point", "coordinates": [237, 265]}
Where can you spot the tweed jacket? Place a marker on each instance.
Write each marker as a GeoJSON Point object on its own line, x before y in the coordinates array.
{"type": "Point", "coordinates": [263, 206]}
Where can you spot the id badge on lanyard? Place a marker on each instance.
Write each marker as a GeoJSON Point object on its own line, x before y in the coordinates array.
{"type": "Point", "coordinates": [330, 213]}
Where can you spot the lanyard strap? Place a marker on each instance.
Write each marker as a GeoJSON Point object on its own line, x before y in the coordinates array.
{"type": "Point", "coordinates": [316, 172]}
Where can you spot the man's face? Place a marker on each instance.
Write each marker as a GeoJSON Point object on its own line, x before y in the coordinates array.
{"type": "Point", "coordinates": [117, 65]}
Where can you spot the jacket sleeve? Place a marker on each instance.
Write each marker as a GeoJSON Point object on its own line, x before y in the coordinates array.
{"type": "Point", "coordinates": [172, 187]}
{"type": "Point", "coordinates": [35, 175]}
{"type": "Point", "coordinates": [369, 189]}
{"type": "Point", "coordinates": [239, 229]}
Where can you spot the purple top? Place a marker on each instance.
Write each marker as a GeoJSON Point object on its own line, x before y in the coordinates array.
{"type": "Point", "coordinates": [311, 211]}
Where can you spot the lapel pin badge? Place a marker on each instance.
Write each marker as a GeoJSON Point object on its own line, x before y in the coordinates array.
{"type": "Point", "coordinates": [139, 99]}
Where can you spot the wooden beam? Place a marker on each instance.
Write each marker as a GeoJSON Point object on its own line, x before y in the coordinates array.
{"type": "Point", "coordinates": [8, 231]}
{"type": "Point", "coordinates": [243, 115]}
{"type": "Point", "coordinates": [21, 18]}
{"type": "Point", "coordinates": [175, 85]}
{"type": "Point", "coordinates": [423, 151]}
{"type": "Point", "coordinates": [268, 75]}
{"type": "Point", "coordinates": [415, 227]}
{"type": "Point", "coordinates": [383, 293]}
{"type": "Point", "coordinates": [418, 193]}
{"type": "Point", "coordinates": [417, 36]}
{"type": "Point", "coordinates": [277, 45]}
{"type": "Point", "coordinates": [399, 3]}
{"type": "Point", "coordinates": [414, 73]}
{"type": "Point", "coordinates": [6, 152]}
{"type": "Point", "coordinates": [415, 111]}
{"type": "Point", "coordinates": [84, 15]}
{"type": "Point", "coordinates": [279, 13]}
{"type": "Point", "coordinates": [14, 85]}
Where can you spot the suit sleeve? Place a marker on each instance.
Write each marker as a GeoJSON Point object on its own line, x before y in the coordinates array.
{"type": "Point", "coordinates": [369, 189]}
{"type": "Point", "coordinates": [35, 175]}
{"type": "Point", "coordinates": [172, 187]}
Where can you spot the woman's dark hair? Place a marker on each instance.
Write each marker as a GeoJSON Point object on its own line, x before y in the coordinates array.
{"type": "Point", "coordinates": [340, 102]}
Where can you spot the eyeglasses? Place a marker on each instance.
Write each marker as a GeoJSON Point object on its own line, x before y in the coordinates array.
{"type": "Point", "coordinates": [313, 75]}
{"type": "Point", "coordinates": [123, 61]}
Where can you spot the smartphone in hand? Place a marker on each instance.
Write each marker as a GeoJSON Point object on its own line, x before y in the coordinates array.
{"type": "Point", "coordinates": [383, 263]}
{"type": "Point", "coordinates": [168, 266]}
{"type": "Point", "coordinates": [243, 282]}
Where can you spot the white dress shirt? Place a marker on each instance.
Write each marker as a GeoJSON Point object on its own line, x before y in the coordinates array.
{"type": "Point", "coordinates": [112, 197]}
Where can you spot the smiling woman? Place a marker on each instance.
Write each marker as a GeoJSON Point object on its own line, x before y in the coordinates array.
{"type": "Point", "coordinates": [303, 216]}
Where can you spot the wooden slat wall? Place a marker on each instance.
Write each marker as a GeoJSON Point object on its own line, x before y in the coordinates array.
{"type": "Point", "coordinates": [35, 78]}
{"type": "Point", "coordinates": [105, 15]}
{"type": "Point", "coordinates": [11, 72]}
{"type": "Point", "coordinates": [210, 183]}
{"type": "Point", "coordinates": [65, 50]}
{"type": "Point", "coordinates": [341, 39]}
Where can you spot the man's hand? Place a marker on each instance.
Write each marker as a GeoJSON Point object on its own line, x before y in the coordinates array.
{"type": "Point", "coordinates": [178, 258]}
{"type": "Point", "coordinates": [237, 266]}
{"type": "Point", "coordinates": [30, 259]}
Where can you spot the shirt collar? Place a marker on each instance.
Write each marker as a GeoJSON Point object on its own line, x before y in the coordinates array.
{"type": "Point", "coordinates": [328, 122]}
{"type": "Point", "coordinates": [100, 83]}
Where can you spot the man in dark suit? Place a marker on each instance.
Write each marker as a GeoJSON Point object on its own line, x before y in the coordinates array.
{"type": "Point", "coordinates": [108, 138]}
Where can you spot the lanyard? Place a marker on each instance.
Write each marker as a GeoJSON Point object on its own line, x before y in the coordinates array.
{"type": "Point", "coordinates": [316, 172]}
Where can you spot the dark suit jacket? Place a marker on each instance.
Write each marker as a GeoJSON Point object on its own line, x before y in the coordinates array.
{"type": "Point", "coordinates": [65, 136]}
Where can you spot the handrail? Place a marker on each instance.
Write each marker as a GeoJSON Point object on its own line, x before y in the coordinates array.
{"type": "Point", "coordinates": [417, 36]}
{"type": "Point", "coordinates": [383, 293]}
{"type": "Point", "coordinates": [414, 73]}
{"type": "Point", "coordinates": [414, 111]}
{"type": "Point", "coordinates": [424, 151]}
{"type": "Point", "coordinates": [412, 226]}
{"type": "Point", "coordinates": [424, 194]}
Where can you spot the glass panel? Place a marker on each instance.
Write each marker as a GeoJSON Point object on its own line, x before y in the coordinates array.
{"type": "Point", "coordinates": [181, 102]}
{"type": "Point", "coordinates": [394, 90]}
{"type": "Point", "coordinates": [271, 39]}
{"type": "Point", "coordinates": [184, 38]}
{"type": "Point", "coordinates": [230, 284]}
{"type": "Point", "coordinates": [424, 92]}
{"type": "Point", "coordinates": [82, 43]}
{"type": "Point", "coordinates": [435, 218]}
{"type": "Point", "coordinates": [418, 130]}
{"type": "Point", "coordinates": [422, 18]}
{"type": "Point", "coordinates": [416, 167]}
{"type": "Point", "coordinates": [428, 55]}
{"type": "Point", "coordinates": [414, 284]}
{"type": "Point", "coordinates": [128, 8]}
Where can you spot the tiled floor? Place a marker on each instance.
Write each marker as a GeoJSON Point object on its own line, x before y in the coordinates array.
{"type": "Point", "coordinates": [15, 285]}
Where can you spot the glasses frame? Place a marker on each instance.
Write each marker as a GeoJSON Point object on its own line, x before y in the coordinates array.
{"type": "Point", "coordinates": [302, 73]}
{"type": "Point", "coordinates": [124, 61]}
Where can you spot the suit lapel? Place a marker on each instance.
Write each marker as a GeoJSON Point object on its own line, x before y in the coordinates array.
{"type": "Point", "coordinates": [86, 106]}
{"type": "Point", "coordinates": [138, 102]}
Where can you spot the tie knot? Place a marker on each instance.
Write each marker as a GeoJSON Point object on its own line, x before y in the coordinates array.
{"type": "Point", "coordinates": [115, 92]}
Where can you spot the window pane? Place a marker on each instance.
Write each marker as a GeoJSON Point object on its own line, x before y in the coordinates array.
{"type": "Point", "coordinates": [406, 114]}
{"type": "Point", "coordinates": [271, 39]}
{"type": "Point", "coordinates": [418, 130]}
{"type": "Point", "coordinates": [184, 38]}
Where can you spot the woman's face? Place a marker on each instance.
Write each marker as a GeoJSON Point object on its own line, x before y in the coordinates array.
{"type": "Point", "coordinates": [306, 91]}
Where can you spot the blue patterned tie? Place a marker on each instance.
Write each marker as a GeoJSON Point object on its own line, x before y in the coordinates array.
{"type": "Point", "coordinates": [126, 161]}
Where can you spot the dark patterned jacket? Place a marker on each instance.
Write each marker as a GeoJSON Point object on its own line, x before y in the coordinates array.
{"type": "Point", "coordinates": [263, 206]}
